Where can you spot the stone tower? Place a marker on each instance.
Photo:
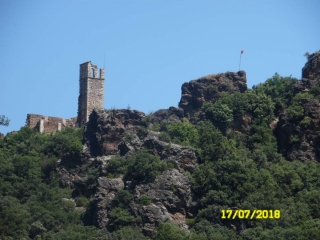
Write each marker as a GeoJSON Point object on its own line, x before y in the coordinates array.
{"type": "Point", "coordinates": [91, 91]}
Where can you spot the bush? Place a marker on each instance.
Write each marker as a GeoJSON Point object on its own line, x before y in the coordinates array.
{"type": "Point", "coordinates": [184, 133]}
{"type": "Point", "coordinates": [82, 202]}
{"type": "Point", "coordinates": [305, 122]}
{"type": "Point", "coordinates": [147, 120]}
{"type": "Point", "coordinates": [164, 136]}
{"type": "Point", "coordinates": [295, 112]}
{"type": "Point", "coordinates": [69, 140]}
{"type": "Point", "coordinates": [315, 91]}
{"type": "Point", "coordinates": [129, 137]}
{"type": "Point", "coordinates": [142, 132]}
{"type": "Point", "coordinates": [143, 166]}
{"type": "Point", "coordinates": [123, 198]}
{"type": "Point", "coordinates": [219, 113]}
{"type": "Point", "coordinates": [144, 200]}
{"type": "Point", "coordinates": [120, 217]}
{"type": "Point", "coordinates": [294, 138]}
{"type": "Point", "coordinates": [127, 233]}
{"type": "Point", "coordinates": [168, 231]}
{"type": "Point", "coordinates": [155, 127]}
{"type": "Point", "coordinates": [117, 165]}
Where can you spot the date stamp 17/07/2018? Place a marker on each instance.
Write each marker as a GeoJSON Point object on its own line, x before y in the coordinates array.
{"type": "Point", "coordinates": [250, 214]}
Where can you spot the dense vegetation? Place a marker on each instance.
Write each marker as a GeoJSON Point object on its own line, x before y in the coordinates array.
{"type": "Point", "coordinates": [236, 170]}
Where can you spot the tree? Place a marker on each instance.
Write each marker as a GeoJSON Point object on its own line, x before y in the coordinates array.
{"type": "Point", "coordinates": [4, 120]}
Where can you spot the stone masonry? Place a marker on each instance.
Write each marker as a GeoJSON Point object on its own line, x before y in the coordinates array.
{"type": "Point", "coordinates": [91, 97]}
{"type": "Point", "coordinates": [45, 124]}
{"type": "Point", "coordinates": [91, 91]}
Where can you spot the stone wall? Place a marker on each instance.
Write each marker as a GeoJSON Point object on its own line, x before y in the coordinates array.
{"type": "Point", "coordinates": [95, 95]}
{"type": "Point", "coordinates": [91, 94]}
{"type": "Point", "coordinates": [46, 124]}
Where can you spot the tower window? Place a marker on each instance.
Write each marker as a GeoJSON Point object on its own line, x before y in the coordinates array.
{"type": "Point", "coordinates": [92, 72]}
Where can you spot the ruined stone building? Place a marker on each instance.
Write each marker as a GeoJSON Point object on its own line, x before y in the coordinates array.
{"type": "Point", "coordinates": [91, 96]}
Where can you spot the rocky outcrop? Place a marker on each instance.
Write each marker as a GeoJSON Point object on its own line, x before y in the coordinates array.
{"type": "Point", "coordinates": [207, 89]}
{"type": "Point", "coordinates": [170, 196]}
{"type": "Point", "coordinates": [300, 140]}
{"type": "Point", "coordinates": [297, 141]}
{"type": "Point", "coordinates": [182, 157]}
{"type": "Point", "coordinates": [68, 177]}
{"type": "Point", "coordinates": [311, 70]}
{"type": "Point", "coordinates": [103, 199]}
{"type": "Point", "coordinates": [310, 74]}
{"type": "Point", "coordinates": [106, 129]}
{"type": "Point", "coordinates": [172, 114]}
{"type": "Point", "coordinates": [109, 133]}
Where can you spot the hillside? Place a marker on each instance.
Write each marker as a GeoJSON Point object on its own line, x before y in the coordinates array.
{"type": "Point", "coordinates": [172, 173]}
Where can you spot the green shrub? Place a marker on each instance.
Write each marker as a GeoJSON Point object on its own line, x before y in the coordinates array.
{"type": "Point", "coordinates": [219, 112]}
{"type": "Point", "coordinates": [82, 202]}
{"type": "Point", "coordinates": [300, 96]}
{"type": "Point", "coordinates": [295, 112]}
{"type": "Point", "coordinates": [127, 233]}
{"type": "Point", "coordinates": [120, 217]}
{"type": "Point", "coordinates": [164, 126]}
{"type": "Point", "coordinates": [184, 133]}
{"type": "Point", "coordinates": [110, 175]}
{"type": "Point", "coordinates": [143, 166]}
{"type": "Point", "coordinates": [144, 200]}
{"type": "Point", "coordinates": [170, 165]}
{"type": "Point", "coordinates": [155, 127]}
{"type": "Point", "coordinates": [69, 140]}
{"type": "Point", "coordinates": [164, 136]}
{"type": "Point", "coordinates": [129, 137]}
{"type": "Point", "coordinates": [169, 231]}
{"type": "Point", "coordinates": [142, 132]}
{"type": "Point", "coordinates": [117, 165]}
{"type": "Point", "coordinates": [147, 120]}
{"type": "Point", "coordinates": [294, 138]}
{"type": "Point", "coordinates": [279, 88]}
{"type": "Point", "coordinates": [190, 222]}
{"type": "Point", "coordinates": [123, 198]}
{"type": "Point", "coordinates": [315, 91]}
{"type": "Point", "coordinates": [305, 122]}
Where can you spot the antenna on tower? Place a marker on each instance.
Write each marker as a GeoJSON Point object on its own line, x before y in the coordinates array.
{"type": "Point", "coordinates": [104, 60]}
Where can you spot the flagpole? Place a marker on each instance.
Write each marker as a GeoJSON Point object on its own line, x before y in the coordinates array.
{"type": "Point", "coordinates": [242, 51]}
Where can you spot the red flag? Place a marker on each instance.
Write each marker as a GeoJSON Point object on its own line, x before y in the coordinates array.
{"type": "Point", "coordinates": [242, 51]}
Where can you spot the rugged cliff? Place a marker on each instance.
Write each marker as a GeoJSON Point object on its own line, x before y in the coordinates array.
{"type": "Point", "coordinates": [118, 132]}
{"type": "Point", "coordinates": [299, 126]}
{"type": "Point", "coordinates": [235, 126]}
{"type": "Point", "coordinates": [209, 89]}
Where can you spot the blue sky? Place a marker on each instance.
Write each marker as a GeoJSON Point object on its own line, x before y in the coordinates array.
{"type": "Point", "coordinates": [149, 48]}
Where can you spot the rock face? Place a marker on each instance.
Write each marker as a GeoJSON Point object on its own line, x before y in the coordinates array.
{"type": "Point", "coordinates": [170, 196]}
{"type": "Point", "coordinates": [172, 114]}
{"type": "Point", "coordinates": [107, 128]}
{"type": "Point", "coordinates": [124, 132]}
{"type": "Point", "coordinates": [298, 142]}
{"type": "Point", "coordinates": [310, 74]}
{"type": "Point", "coordinates": [103, 199]}
{"type": "Point", "coordinates": [115, 132]}
{"type": "Point", "coordinates": [182, 157]}
{"type": "Point", "coordinates": [207, 89]}
{"type": "Point", "coordinates": [311, 70]}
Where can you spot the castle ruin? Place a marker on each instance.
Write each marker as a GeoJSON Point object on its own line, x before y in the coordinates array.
{"type": "Point", "coordinates": [91, 96]}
